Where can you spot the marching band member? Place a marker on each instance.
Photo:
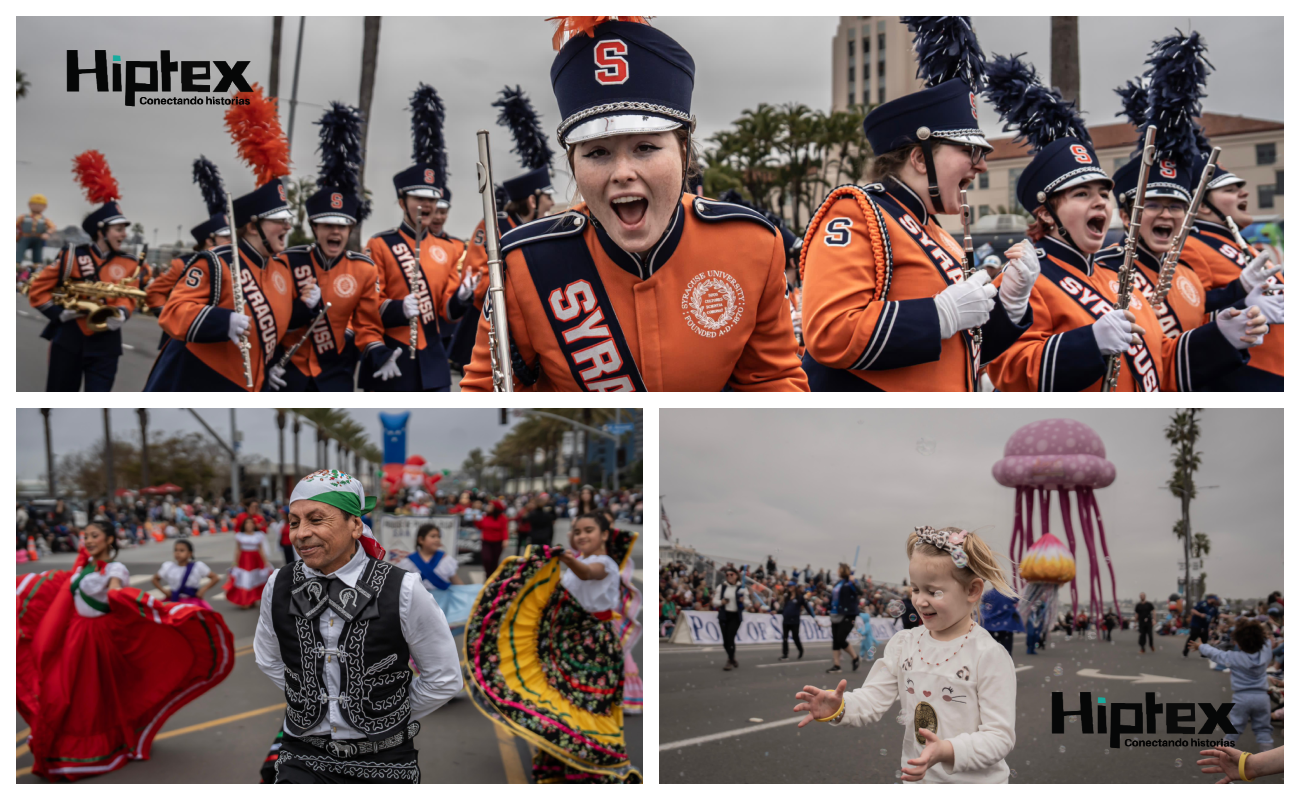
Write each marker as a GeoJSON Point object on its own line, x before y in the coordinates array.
{"type": "Point", "coordinates": [347, 280]}
{"type": "Point", "coordinates": [885, 303]}
{"type": "Point", "coordinates": [1075, 325]}
{"type": "Point", "coordinates": [204, 354]}
{"type": "Point", "coordinates": [521, 199]}
{"type": "Point", "coordinates": [417, 280]}
{"type": "Point", "coordinates": [627, 291]}
{"type": "Point", "coordinates": [77, 352]}
{"type": "Point", "coordinates": [212, 232]}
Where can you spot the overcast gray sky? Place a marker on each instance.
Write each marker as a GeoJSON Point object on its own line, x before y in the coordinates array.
{"type": "Point", "coordinates": [812, 485]}
{"type": "Point", "coordinates": [443, 436]}
{"type": "Point", "coordinates": [740, 62]}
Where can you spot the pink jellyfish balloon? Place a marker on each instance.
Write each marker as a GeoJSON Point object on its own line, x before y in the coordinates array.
{"type": "Point", "coordinates": [1061, 455]}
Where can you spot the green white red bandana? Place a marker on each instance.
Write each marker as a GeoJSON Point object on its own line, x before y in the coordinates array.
{"type": "Point", "coordinates": [344, 492]}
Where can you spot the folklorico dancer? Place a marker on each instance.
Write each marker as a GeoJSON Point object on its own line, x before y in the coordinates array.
{"type": "Point", "coordinates": [101, 666]}
{"type": "Point", "coordinates": [626, 292]}
{"type": "Point", "coordinates": [886, 306]}
{"type": "Point", "coordinates": [204, 353]}
{"type": "Point", "coordinates": [78, 351]}
{"type": "Point", "coordinates": [183, 579]}
{"type": "Point", "coordinates": [521, 199]}
{"type": "Point", "coordinates": [335, 633]}
{"type": "Point", "coordinates": [1075, 324]}
{"type": "Point", "coordinates": [251, 570]}
{"type": "Point", "coordinates": [544, 660]}
{"type": "Point", "coordinates": [437, 572]}
{"type": "Point", "coordinates": [417, 282]}
{"type": "Point", "coordinates": [628, 627]}
{"type": "Point", "coordinates": [212, 232]}
{"type": "Point", "coordinates": [347, 279]}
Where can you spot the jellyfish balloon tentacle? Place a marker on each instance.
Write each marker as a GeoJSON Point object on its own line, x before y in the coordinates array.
{"type": "Point", "coordinates": [1064, 456]}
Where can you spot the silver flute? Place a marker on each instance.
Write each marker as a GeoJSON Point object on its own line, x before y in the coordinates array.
{"type": "Point", "coordinates": [498, 327]}
{"type": "Point", "coordinates": [968, 259]}
{"type": "Point", "coordinates": [1169, 264]}
{"type": "Point", "coordinates": [1125, 274]}
{"type": "Point", "coordinates": [237, 292]}
{"type": "Point", "coordinates": [320, 315]}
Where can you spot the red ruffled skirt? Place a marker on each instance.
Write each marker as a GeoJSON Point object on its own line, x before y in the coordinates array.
{"type": "Point", "coordinates": [247, 578]}
{"type": "Point", "coordinates": [96, 690]}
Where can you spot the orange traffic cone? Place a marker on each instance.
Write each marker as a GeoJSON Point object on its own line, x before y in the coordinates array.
{"type": "Point", "coordinates": [31, 550]}
{"type": "Point", "coordinates": [225, 525]}
{"type": "Point", "coordinates": [194, 531]}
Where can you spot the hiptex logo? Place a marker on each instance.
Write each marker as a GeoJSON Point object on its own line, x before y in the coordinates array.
{"type": "Point", "coordinates": [142, 76]}
{"type": "Point", "coordinates": [1181, 719]}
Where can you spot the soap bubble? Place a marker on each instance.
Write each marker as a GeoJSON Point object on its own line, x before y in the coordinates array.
{"type": "Point", "coordinates": [884, 752]}
{"type": "Point", "coordinates": [1047, 680]}
{"type": "Point", "coordinates": [911, 618]}
{"type": "Point", "coordinates": [1157, 694]}
{"type": "Point", "coordinates": [1057, 671]}
{"type": "Point", "coordinates": [1061, 749]}
{"type": "Point", "coordinates": [1052, 645]}
{"type": "Point", "coordinates": [1072, 718]}
{"type": "Point", "coordinates": [1106, 751]}
{"type": "Point", "coordinates": [1013, 773]}
{"type": "Point", "coordinates": [938, 594]}
{"type": "Point", "coordinates": [898, 773]}
{"type": "Point", "coordinates": [1091, 636]}
{"type": "Point", "coordinates": [871, 652]}
{"type": "Point", "coordinates": [959, 559]}
{"type": "Point", "coordinates": [1178, 762]}
{"type": "Point", "coordinates": [895, 608]}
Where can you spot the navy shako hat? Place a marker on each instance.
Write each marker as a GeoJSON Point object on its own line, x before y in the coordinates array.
{"type": "Point", "coordinates": [445, 200]}
{"type": "Point", "coordinates": [205, 174]}
{"type": "Point", "coordinates": [330, 206]}
{"type": "Point", "coordinates": [337, 201]}
{"type": "Point", "coordinates": [108, 214]}
{"type": "Point", "coordinates": [213, 226]}
{"type": "Point", "coordinates": [1061, 164]}
{"type": "Point", "coordinates": [521, 188]}
{"type": "Point", "coordinates": [531, 145]}
{"type": "Point", "coordinates": [945, 112]}
{"type": "Point", "coordinates": [428, 176]}
{"type": "Point", "coordinates": [268, 201]}
{"type": "Point", "coordinates": [618, 76]}
{"type": "Point", "coordinates": [1221, 177]}
{"type": "Point", "coordinates": [420, 180]}
{"type": "Point", "coordinates": [1166, 178]}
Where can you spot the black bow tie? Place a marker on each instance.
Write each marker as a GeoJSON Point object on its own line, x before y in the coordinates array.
{"type": "Point", "coordinates": [310, 598]}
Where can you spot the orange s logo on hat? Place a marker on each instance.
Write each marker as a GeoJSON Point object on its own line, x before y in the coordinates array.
{"type": "Point", "coordinates": [1081, 154]}
{"type": "Point", "coordinates": [336, 200]}
{"type": "Point", "coordinates": [974, 111]}
{"type": "Point", "coordinates": [428, 176]}
{"type": "Point", "coordinates": [1168, 169]}
{"type": "Point", "coordinates": [611, 66]}
{"type": "Point", "coordinates": [283, 197]}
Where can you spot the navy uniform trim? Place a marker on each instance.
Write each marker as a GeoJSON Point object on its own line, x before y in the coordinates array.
{"type": "Point", "coordinates": [209, 327]}
{"type": "Point", "coordinates": [718, 211]}
{"type": "Point", "coordinates": [353, 254]}
{"type": "Point", "coordinates": [562, 225]}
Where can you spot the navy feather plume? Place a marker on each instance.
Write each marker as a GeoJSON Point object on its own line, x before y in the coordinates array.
{"type": "Point", "coordinates": [946, 48]}
{"type": "Point", "coordinates": [429, 144]}
{"type": "Point", "coordinates": [1176, 80]}
{"type": "Point", "coordinates": [531, 142]}
{"type": "Point", "coordinates": [340, 152]}
{"type": "Point", "coordinates": [1039, 114]}
{"type": "Point", "coordinates": [209, 181]}
{"type": "Point", "coordinates": [1133, 98]}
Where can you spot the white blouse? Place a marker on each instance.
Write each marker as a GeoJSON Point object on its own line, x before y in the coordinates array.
{"type": "Point", "coordinates": [250, 541]}
{"type": "Point", "coordinates": [95, 585]}
{"type": "Point", "coordinates": [170, 573]}
{"type": "Point", "coordinates": [594, 596]}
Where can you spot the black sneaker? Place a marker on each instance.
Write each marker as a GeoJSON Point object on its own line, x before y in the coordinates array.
{"type": "Point", "coordinates": [835, 668]}
{"type": "Point", "coordinates": [784, 658]}
{"type": "Point", "coordinates": [856, 661]}
{"type": "Point", "coordinates": [800, 654]}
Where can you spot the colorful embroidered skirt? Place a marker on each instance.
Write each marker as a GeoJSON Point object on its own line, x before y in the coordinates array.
{"type": "Point", "coordinates": [549, 671]}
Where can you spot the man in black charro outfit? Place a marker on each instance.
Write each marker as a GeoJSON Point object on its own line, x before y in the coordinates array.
{"type": "Point", "coordinates": [336, 632]}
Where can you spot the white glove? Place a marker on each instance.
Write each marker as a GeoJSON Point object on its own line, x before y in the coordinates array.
{"type": "Point", "coordinates": [1114, 333]}
{"type": "Point", "coordinates": [276, 378]}
{"type": "Point", "coordinates": [1018, 279]}
{"type": "Point", "coordinates": [467, 286]}
{"type": "Point", "coordinates": [965, 305]}
{"type": "Point", "coordinates": [410, 306]}
{"type": "Point", "coordinates": [390, 370]}
{"type": "Point", "coordinates": [1273, 306]}
{"type": "Point", "coordinates": [1236, 324]}
{"type": "Point", "coordinates": [238, 325]}
{"type": "Point", "coordinates": [311, 296]}
{"type": "Point", "coordinates": [116, 321]}
{"type": "Point", "coordinates": [1257, 272]}
{"type": "Point", "coordinates": [67, 314]}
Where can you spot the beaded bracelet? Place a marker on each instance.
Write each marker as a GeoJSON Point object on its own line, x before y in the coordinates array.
{"type": "Point", "coordinates": [832, 717]}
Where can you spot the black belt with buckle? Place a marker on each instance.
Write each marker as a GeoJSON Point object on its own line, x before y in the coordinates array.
{"type": "Point", "coordinates": [348, 748]}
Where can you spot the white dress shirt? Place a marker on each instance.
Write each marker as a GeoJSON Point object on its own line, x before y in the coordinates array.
{"type": "Point", "coordinates": [424, 627]}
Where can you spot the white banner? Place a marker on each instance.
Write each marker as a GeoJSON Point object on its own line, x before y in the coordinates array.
{"type": "Point", "coordinates": [397, 532]}
{"type": "Point", "coordinates": [701, 627]}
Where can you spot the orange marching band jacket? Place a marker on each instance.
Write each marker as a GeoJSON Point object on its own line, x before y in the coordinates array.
{"type": "Point", "coordinates": [350, 284]}
{"type": "Point", "coordinates": [704, 310]}
{"type": "Point", "coordinates": [201, 357]}
{"type": "Point", "coordinates": [1059, 353]}
{"type": "Point", "coordinates": [431, 275]}
{"type": "Point", "coordinates": [462, 342]}
{"type": "Point", "coordinates": [873, 261]}
{"type": "Point", "coordinates": [1212, 252]}
{"type": "Point", "coordinates": [1185, 306]}
{"type": "Point", "coordinates": [81, 263]}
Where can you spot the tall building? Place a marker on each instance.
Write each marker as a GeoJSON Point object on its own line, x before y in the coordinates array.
{"type": "Point", "coordinates": [871, 62]}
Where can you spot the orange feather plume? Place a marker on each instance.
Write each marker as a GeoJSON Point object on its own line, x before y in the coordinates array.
{"type": "Point", "coordinates": [96, 179]}
{"type": "Point", "coordinates": [568, 27]}
{"type": "Point", "coordinates": [255, 129]}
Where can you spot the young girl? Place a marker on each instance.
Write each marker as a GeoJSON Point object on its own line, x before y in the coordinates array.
{"type": "Point", "coordinates": [956, 684]}
{"type": "Point", "coordinates": [101, 666]}
{"type": "Point", "coordinates": [183, 579]}
{"type": "Point", "coordinates": [543, 656]}
{"type": "Point", "coordinates": [248, 575]}
{"type": "Point", "coordinates": [438, 575]}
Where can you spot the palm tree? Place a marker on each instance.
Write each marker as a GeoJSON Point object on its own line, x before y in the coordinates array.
{"type": "Point", "coordinates": [369, 58]}
{"type": "Point", "coordinates": [298, 191]}
{"type": "Point", "coordinates": [23, 84]}
{"type": "Point", "coordinates": [1065, 56]}
{"type": "Point", "coordinates": [797, 147]}
{"type": "Point", "coordinates": [273, 85]}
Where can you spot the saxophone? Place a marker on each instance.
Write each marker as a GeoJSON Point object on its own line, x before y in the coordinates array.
{"type": "Point", "coordinates": [498, 326]}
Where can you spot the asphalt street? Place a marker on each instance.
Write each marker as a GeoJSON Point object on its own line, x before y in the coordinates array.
{"type": "Point", "coordinates": [737, 727]}
{"type": "Point", "coordinates": [224, 735]}
{"type": "Point", "coordinates": [140, 337]}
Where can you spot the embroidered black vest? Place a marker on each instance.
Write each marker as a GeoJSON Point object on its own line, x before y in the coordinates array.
{"type": "Point", "coordinates": [372, 653]}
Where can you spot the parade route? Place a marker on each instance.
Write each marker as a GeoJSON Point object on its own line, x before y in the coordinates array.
{"type": "Point", "coordinates": [224, 735]}
{"type": "Point", "coordinates": [737, 727]}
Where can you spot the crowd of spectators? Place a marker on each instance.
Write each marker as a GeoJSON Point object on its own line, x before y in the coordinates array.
{"type": "Point", "coordinates": [53, 527]}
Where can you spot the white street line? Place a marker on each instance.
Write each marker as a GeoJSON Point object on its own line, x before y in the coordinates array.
{"type": "Point", "coordinates": [713, 737]}
{"type": "Point", "coordinates": [128, 346]}
{"type": "Point", "coordinates": [795, 663]}
{"type": "Point", "coordinates": [1022, 669]}
{"type": "Point", "coordinates": [23, 313]}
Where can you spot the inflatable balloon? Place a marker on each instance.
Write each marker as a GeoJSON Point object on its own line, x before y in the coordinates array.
{"type": "Point", "coordinates": [1064, 456]}
{"type": "Point", "coordinates": [1046, 565]}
